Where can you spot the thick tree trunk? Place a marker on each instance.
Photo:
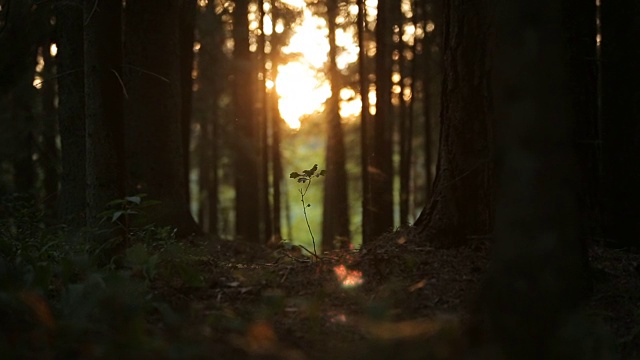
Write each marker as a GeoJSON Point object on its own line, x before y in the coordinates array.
{"type": "Point", "coordinates": [72, 200]}
{"type": "Point", "coordinates": [246, 161]}
{"type": "Point", "coordinates": [155, 144]}
{"type": "Point", "coordinates": [461, 205]}
{"type": "Point", "coordinates": [335, 216]}
{"type": "Point", "coordinates": [103, 105]}
{"type": "Point", "coordinates": [621, 120]}
{"type": "Point", "coordinates": [537, 276]}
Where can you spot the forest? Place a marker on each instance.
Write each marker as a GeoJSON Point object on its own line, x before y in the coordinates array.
{"type": "Point", "coordinates": [320, 179]}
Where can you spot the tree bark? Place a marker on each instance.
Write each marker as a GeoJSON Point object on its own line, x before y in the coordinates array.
{"type": "Point", "coordinates": [462, 201]}
{"type": "Point", "coordinates": [246, 162]}
{"type": "Point", "coordinates": [155, 131]}
{"type": "Point", "coordinates": [367, 219]}
{"type": "Point", "coordinates": [103, 105]}
{"type": "Point", "coordinates": [71, 123]}
{"type": "Point", "coordinates": [537, 276]}
{"type": "Point", "coordinates": [335, 212]}
{"type": "Point", "coordinates": [381, 169]}
{"type": "Point", "coordinates": [621, 120]}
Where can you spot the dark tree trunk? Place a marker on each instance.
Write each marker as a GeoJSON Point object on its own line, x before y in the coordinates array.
{"type": "Point", "coordinates": [462, 201]}
{"type": "Point", "coordinates": [276, 160]}
{"type": "Point", "coordinates": [335, 216]}
{"type": "Point", "coordinates": [432, 87]}
{"type": "Point", "coordinates": [246, 166]}
{"type": "Point", "coordinates": [406, 124]}
{"type": "Point", "coordinates": [72, 200]}
{"type": "Point", "coordinates": [263, 131]}
{"type": "Point", "coordinates": [367, 219]}
{"type": "Point", "coordinates": [187, 34]}
{"type": "Point", "coordinates": [49, 150]}
{"type": "Point", "coordinates": [155, 143]}
{"type": "Point", "coordinates": [103, 105]}
{"type": "Point", "coordinates": [381, 165]}
{"type": "Point", "coordinates": [621, 120]}
{"type": "Point", "coordinates": [537, 276]}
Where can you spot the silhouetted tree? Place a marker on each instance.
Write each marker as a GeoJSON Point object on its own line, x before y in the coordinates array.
{"type": "Point", "coordinates": [335, 217]}
{"type": "Point", "coordinates": [621, 120]}
{"type": "Point", "coordinates": [71, 122]}
{"type": "Point", "coordinates": [246, 142]}
{"type": "Point", "coordinates": [381, 165]}
{"type": "Point", "coordinates": [103, 104]}
{"type": "Point", "coordinates": [536, 279]}
{"type": "Point", "coordinates": [462, 200]}
{"type": "Point", "coordinates": [155, 137]}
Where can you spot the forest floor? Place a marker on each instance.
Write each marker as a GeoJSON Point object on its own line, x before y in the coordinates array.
{"type": "Point", "coordinates": [397, 299]}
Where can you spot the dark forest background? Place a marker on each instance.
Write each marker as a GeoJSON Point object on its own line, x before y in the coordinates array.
{"type": "Point", "coordinates": [145, 144]}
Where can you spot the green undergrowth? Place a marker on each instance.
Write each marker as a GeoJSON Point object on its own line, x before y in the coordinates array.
{"type": "Point", "coordinates": [64, 296]}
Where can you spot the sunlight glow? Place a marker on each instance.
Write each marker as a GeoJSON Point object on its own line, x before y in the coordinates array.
{"type": "Point", "coordinates": [302, 92]}
{"type": "Point", "coordinates": [348, 278]}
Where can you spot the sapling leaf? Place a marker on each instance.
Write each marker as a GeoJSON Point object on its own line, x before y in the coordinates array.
{"type": "Point", "coordinates": [322, 173]}
{"type": "Point", "coordinates": [116, 215]}
{"type": "Point", "coordinates": [303, 179]}
{"type": "Point", "coordinates": [294, 175]}
{"type": "Point", "coordinates": [308, 205]}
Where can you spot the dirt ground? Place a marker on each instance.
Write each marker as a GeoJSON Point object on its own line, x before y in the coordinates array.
{"type": "Point", "coordinates": [396, 299]}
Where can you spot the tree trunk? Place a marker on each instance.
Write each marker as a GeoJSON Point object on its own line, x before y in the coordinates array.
{"type": "Point", "coordinates": [621, 120]}
{"type": "Point", "coordinates": [537, 276]}
{"type": "Point", "coordinates": [187, 37]}
{"type": "Point", "coordinates": [381, 169]}
{"type": "Point", "coordinates": [155, 143]}
{"type": "Point", "coordinates": [103, 105]}
{"type": "Point", "coordinates": [72, 200]}
{"type": "Point", "coordinates": [49, 153]}
{"type": "Point", "coordinates": [462, 202]}
{"type": "Point", "coordinates": [367, 219]}
{"type": "Point", "coordinates": [335, 213]}
{"type": "Point", "coordinates": [246, 166]}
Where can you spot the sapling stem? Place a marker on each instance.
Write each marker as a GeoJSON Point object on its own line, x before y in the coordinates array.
{"type": "Point", "coordinates": [304, 210]}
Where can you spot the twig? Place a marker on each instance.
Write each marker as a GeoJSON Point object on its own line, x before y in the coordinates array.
{"type": "Point", "coordinates": [147, 72]}
{"type": "Point", "coordinates": [124, 89]}
{"type": "Point", "coordinates": [95, 6]}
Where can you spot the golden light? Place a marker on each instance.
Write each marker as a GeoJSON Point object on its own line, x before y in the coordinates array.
{"type": "Point", "coordinates": [348, 278]}
{"type": "Point", "coordinates": [295, 3]}
{"type": "Point", "coordinates": [310, 40]}
{"type": "Point", "coordinates": [267, 25]}
{"type": "Point", "coordinates": [302, 92]}
{"type": "Point", "coordinates": [53, 50]}
{"type": "Point", "coordinates": [269, 84]}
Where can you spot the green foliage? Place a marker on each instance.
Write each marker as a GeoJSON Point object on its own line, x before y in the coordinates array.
{"type": "Point", "coordinates": [58, 298]}
{"type": "Point", "coordinates": [305, 177]}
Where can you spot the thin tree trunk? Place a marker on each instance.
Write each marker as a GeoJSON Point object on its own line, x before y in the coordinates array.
{"type": "Point", "coordinates": [246, 166]}
{"type": "Point", "coordinates": [103, 105]}
{"type": "Point", "coordinates": [381, 171]}
{"type": "Point", "coordinates": [187, 38]}
{"type": "Point", "coordinates": [263, 128]}
{"type": "Point", "coordinates": [71, 123]}
{"type": "Point", "coordinates": [335, 217]}
{"type": "Point", "coordinates": [49, 153]}
{"type": "Point", "coordinates": [367, 225]}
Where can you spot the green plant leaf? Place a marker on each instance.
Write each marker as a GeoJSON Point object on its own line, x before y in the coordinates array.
{"type": "Point", "coordinates": [322, 173]}
{"type": "Point", "coordinates": [116, 215]}
{"type": "Point", "coordinates": [311, 171]}
{"type": "Point", "coordinates": [294, 175]}
{"type": "Point", "coordinates": [134, 199]}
